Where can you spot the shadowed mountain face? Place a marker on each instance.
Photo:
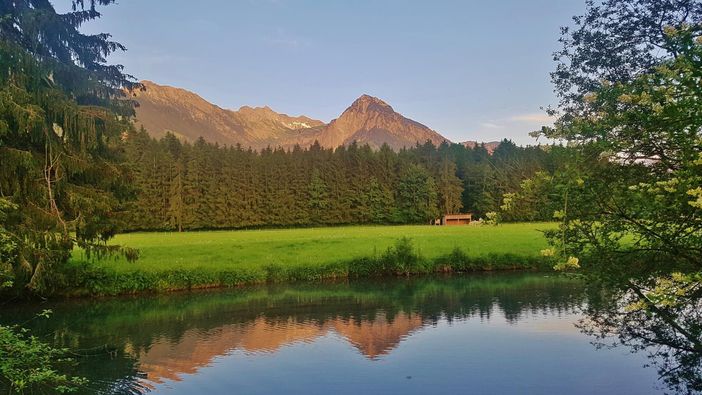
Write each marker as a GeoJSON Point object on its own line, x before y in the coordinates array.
{"type": "Point", "coordinates": [368, 120]}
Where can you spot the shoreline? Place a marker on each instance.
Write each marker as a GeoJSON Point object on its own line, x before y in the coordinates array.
{"type": "Point", "coordinates": [229, 259]}
{"type": "Point", "coordinates": [99, 282]}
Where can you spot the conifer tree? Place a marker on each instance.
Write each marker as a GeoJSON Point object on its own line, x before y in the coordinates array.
{"type": "Point", "coordinates": [416, 196]}
{"type": "Point", "coordinates": [318, 197]}
{"type": "Point", "coordinates": [450, 189]}
{"type": "Point", "coordinates": [61, 163]}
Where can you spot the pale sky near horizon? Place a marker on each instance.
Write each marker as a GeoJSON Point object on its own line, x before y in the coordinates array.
{"type": "Point", "coordinates": [471, 70]}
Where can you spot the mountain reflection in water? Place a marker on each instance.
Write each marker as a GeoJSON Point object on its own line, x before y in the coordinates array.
{"type": "Point", "coordinates": [168, 358]}
{"type": "Point", "coordinates": [161, 342]}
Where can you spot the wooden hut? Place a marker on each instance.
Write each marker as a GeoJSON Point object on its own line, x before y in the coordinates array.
{"type": "Point", "coordinates": [456, 219]}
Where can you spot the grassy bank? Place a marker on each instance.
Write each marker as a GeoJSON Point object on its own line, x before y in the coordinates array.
{"type": "Point", "coordinates": [175, 261]}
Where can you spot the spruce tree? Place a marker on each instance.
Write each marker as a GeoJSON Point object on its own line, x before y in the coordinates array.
{"type": "Point", "coordinates": [450, 189]}
{"type": "Point", "coordinates": [62, 168]}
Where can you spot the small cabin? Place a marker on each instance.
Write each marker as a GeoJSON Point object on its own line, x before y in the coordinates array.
{"type": "Point", "coordinates": [456, 219]}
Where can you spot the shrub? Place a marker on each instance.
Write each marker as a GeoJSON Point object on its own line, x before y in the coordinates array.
{"type": "Point", "coordinates": [402, 259]}
{"type": "Point", "coordinates": [28, 365]}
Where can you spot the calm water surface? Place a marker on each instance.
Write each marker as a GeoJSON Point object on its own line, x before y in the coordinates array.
{"type": "Point", "coordinates": [486, 334]}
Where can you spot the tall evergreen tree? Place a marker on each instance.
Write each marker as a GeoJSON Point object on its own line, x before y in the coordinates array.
{"type": "Point", "coordinates": [61, 162]}
{"type": "Point", "coordinates": [318, 198]}
{"type": "Point", "coordinates": [416, 196]}
{"type": "Point", "coordinates": [450, 188]}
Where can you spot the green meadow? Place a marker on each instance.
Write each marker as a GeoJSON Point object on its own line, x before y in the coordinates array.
{"type": "Point", "coordinates": [172, 261]}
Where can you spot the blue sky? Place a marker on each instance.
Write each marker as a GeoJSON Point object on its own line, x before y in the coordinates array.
{"type": "Point", "coordinates": [471, 70]}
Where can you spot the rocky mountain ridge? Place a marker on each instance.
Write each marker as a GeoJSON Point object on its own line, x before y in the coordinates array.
{"type": "Point", "coordinates": [368, 120]}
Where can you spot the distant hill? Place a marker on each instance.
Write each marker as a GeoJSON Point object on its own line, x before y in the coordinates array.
{"type": "Point", "coordinates": [368, 120]}
{"type": "Point", "coordinates": [489, 146]}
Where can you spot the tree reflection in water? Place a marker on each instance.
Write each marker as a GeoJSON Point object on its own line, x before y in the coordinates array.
{"type": "Point", "coordinates": [164, 337]}
{"type": "Point", "coordinates": [158, 339]}
{"type": "Point", "coordinates": [662, 318]}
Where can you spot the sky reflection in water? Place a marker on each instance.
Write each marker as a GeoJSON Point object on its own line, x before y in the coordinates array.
{"type": "Point", "coordinates": [487, 334]}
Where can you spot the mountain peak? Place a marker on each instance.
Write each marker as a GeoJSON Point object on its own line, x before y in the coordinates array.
{"type": "Point", "coordinates": [369, 120]}
{"type": "Point", "coordinates": [372, 121]}
{"type": "Point", "coordinates": [257, 110]}
{"type": "Point", "coordinates": [367, 103]}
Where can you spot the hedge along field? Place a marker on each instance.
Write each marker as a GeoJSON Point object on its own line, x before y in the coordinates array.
{"type": "Point", "coordinates": [176, 261]}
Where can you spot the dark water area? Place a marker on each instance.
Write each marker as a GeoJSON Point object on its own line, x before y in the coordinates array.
{"type": "Point", "coordinates": [483, 334]}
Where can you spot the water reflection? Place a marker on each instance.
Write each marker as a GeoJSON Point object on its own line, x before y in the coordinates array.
{"type": "Point", "coordinates": [169, 359]}
{"type": "Point", "coordinates": [667, 327]}
{"type": "Point", "coordinates": [153, 343]}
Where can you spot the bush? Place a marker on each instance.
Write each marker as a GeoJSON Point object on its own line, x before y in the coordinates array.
{"type": "Point", "coordinates": [401, 259]}
{"type": "Point", "coordinates": [29, 365]}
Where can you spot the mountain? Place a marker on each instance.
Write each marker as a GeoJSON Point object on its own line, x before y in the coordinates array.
{"type": "Point", "coordinates": [371, 121]}
{"type": "Point", "coordinates": [489, 146]}
{"type": "Point", "coordinates": [368, 120]}
{"type": "Point", "coordinates": [165, 109]}
{"type": "Point", "coordinates": [170, 359]}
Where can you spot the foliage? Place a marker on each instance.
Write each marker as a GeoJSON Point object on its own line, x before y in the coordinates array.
{"type": "Point", "coordinates": [318, 197]}
{"type": "Point", "coordinates": [62, 178]}
{"type": "Point", "coordinates": [631, 115]}
{"type": "Point", "coordinates": [541, 195]}
{"type": "Point", "coordinates": [401, 258]}
{"type": "Point", "coordinates": [28, 364]}
{"type": "Point", "coordinates": [79, 59]}
{"type": "Point", "coordinates": [614, 42]}
{"type": "Point", "coordinates": [450, 189]}
{"type": "Point", "coordinates": [416, 196]}
{"type": "Point", "coordinates": [631, 109]}
{"type": "Point", "coordinates": [492, 218]}
{"type": "Point", "coordinates": [8, 246]}
{"type": "Point", "coordinates": [636, 202]}
{"type": "Point", "coordinates": [185, 186]}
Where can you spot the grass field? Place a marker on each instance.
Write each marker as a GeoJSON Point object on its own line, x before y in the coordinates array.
{"type": "Point", "coordinates": [224, 258]}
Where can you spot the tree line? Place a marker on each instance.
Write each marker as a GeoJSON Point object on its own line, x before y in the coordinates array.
{"type": "Point", "coordinates": [182, 186]}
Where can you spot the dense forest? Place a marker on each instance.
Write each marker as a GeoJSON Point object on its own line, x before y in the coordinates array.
{"type": "Point", "coordinates": [204, 186]}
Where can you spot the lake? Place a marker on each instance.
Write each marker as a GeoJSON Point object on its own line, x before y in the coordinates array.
{"type": "Point", "coordinates": [483, 334]}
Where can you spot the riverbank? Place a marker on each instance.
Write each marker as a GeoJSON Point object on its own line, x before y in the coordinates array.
{"type": "Point", "coordinates": [181, 261]}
